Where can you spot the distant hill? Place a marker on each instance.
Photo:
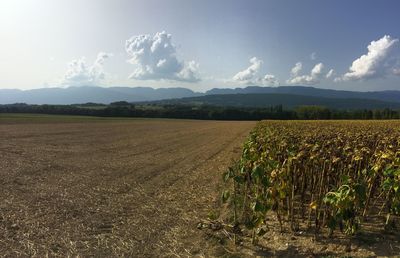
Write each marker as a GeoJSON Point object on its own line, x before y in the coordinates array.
{"type": "Point", "coordinates": [77, 95]}
{"type": "Point", "coordinates": [84, 94]}
{"type": "Point", "coordinates": [391, 96]}
{"type": "Point", "coordinates": [288, 101]}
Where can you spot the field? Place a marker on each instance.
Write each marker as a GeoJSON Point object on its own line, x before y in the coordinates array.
{"type": "Point", "coordinates": [328, 187]}
{"type": "Point", "coordinates": [110, 187]}
{"type": "Point", "coordinates": [106, 187]}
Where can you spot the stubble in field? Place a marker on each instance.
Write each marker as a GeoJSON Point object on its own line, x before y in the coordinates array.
{"type": "Point", "coordinates": [110, 187]}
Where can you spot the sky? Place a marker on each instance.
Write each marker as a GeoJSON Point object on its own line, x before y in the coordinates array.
{"type": "Point", "coordinates": [337, 44]}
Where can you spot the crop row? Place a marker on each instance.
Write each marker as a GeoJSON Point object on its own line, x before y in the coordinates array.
{"type": "Point", "coordinates": [317, 174]}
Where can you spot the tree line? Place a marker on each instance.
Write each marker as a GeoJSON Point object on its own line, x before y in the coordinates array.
{"type": "Point", "coordinates": [125, 109]}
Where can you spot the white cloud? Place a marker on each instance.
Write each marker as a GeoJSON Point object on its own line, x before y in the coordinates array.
{"type": "Point", "coordinates": [377, 63]}
{"type": "Point", "coordinates": [270, 79]}
{"type": "Point", "coordinates": [189, 72]}
{"type": "Point", "coordinates": [396, 71]}
{"type": "Point", "coordinates": [249, 75]}
{"type": "Point", "coordinates": [81, 74]}
{"type": "Point", "coordinates": [296, 69]}
{"type": "Point", "coordinates": [330, 74]}
{"type": "Point", "coordinates": [155, 59]}
{"type": "Point", "coordinates": [317, 70]}
{"type": "Point", "coordinates": [313, 78]}
{"type": "Point", "coordinates": [313, 56]}
{"type": "Point", "coordinates": [101, 57]}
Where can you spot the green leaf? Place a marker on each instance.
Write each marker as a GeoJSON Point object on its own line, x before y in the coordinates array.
{"type": "Point", "coordinates": [360, 191]}
{"type": "Point", "coordinates": [226, 176]}
{"type": "Point", "coordinates": [239, 179]}
{"type": "Point", "coordinates": [257, 172]}
{"type": "Point", "coordinates": [265, 181]}
{"type": "Point", "coordinates": [225, 196]}
{"type": "Point", "coordinates": [395, 188]}
{"type": "Point", "coordinates": [345, 179]}
{"type": "Point", "coordinates": [389, 172]}
{"type": "Point", "coordinates": [387, 184]}
{"type": "Point", "coordinates": [257, 206]}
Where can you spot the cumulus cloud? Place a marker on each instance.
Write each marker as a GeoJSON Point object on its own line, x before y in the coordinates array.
{"type": "Point", "coordinates": [296, 69]}
{"type": "Point", "coordinates": [330, 74]}
{"type": "Point", "coordinates": [249, 72]}
{"type": "Point", "coordinates": [155, 59]}
{"type": "Point", "coordinates": [313, 78]}
{"type": "Point", "coordinates": [317, 70]}
{"type": "Point", "coordinates": [377, 63]}
{"type": "Point", "coordinates": [79, 73]}
{"type": "Point", "coordinates": [269, 79]}
{"type": "Point", "coordinates": [249, 75]}
{"type": "Point", "coordinates": [189, 72]}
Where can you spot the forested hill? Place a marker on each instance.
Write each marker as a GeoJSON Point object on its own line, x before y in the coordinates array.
{"type": "Point", "coordinates": [288, 101]}
{"type": "Point", "coordinates": [388, 95]}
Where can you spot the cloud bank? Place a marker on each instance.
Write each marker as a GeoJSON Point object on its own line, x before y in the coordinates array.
{"type": "Point", "coordinates": [155, 59]}
{"type": "Point", "coordinates": [377, 63]}
{"type": "Point", "coordinates": [81, 74]}
{"type": "Point", "coordinates": [249, 75]}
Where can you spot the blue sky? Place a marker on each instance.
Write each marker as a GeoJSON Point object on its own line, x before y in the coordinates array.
{"type": "Point", "coordinates": [200, 44]}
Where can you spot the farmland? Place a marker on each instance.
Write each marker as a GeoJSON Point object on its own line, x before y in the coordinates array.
{"type": "Point", "coordinates": [335, 181]}
{"type": "Point", "coordinates": [110, 187]}
{"type": "Point", "coordinates": [91, 186]}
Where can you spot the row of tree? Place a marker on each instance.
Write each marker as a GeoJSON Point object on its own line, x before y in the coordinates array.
{"type": "Point", "coordinates": [123, 109]}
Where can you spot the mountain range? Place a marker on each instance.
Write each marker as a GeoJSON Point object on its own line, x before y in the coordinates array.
{"type": "Point", "coordinates": [84, 94]}
{"type": "Point", "coordinates": [256, 96]}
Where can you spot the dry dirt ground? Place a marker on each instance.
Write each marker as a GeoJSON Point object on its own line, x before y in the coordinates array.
{"type": "Point", "coordinates": [92, 187]}
{"type": "Point", "coordinates": [110, 187]}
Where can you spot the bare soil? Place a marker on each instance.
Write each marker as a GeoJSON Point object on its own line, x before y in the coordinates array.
{"type": "Point", "coordinates": [112, 187]}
